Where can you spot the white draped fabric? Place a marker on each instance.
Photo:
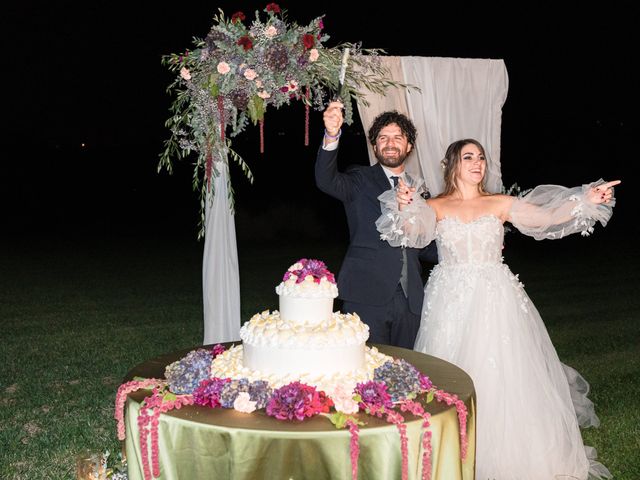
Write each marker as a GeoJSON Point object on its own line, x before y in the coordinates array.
{"type": "Point", "coordinates": [458, 98]}
{"type": "Point", "coordinates": [220, 277]}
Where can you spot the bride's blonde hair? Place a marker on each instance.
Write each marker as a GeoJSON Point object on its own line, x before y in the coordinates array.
{"type": "Point", "coordinates": [452, 159]}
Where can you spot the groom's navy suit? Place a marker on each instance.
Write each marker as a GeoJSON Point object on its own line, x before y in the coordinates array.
{"type": "Point", "coordinates": [371, 269]}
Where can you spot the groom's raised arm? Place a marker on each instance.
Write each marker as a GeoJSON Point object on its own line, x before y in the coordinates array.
{"type": "Point", "coordinates": [328, 178]}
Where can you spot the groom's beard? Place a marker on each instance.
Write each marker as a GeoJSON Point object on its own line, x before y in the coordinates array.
{"type": "Point", "coordinates": [389, 161]}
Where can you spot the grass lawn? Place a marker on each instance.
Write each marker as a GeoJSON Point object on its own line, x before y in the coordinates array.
{"type": "Point", "coordinates": [76, 315]}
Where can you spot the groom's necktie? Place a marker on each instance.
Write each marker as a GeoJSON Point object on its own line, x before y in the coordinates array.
{"type": "Point", "coordinates": [403, 273]}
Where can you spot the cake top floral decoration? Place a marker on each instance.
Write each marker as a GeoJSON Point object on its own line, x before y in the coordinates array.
{"type": "Point", "coordinates": [309, 267]}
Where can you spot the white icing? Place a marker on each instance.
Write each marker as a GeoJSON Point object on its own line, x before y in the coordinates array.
{"type": "Point", "coordinates": [230, 365]}
{"type": "Point", "coordinates": [305, 310]}
{"type": "Point", "coordinates": [270, 330]}
{"type": "Point", "coordinates": [308, 288]}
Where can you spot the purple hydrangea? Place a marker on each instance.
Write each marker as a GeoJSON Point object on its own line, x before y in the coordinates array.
{"type": "Point", "coordinates": [373, 393]}
{"type": "Point", "coordinates": [259, 392]}
{"type": "Point", "coordinates": [400, 377]}
{"type": "Point", "coordinates": [185, 375]}
{"type": "Point", "coordinates": [230, 391]}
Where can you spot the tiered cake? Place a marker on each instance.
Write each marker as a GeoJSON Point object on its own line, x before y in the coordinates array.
{"type": "Point", "coordinates": [305, 340]}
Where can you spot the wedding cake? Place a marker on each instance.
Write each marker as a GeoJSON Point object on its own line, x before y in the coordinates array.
{"type": "Point", "coordinates": [304, 340]}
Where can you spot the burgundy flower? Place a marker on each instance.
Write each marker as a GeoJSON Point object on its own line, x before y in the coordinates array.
{"type": "Point", "coordinates": [284, 89]}
{"type": "Point", "coordinates": [245, 42]}
{"type": "Point", "coordinates": [273, 7]}
{"type": "Point", "coordinates": [308, 40]}
{"type": "Point", "coordinates": [208, 393]}
{"type": "Point", "coordinates": [217, 350]}
{"type": "Point", "coordinates": [237, 17]}
{"type": "Point", "coordinates": [297, 401]}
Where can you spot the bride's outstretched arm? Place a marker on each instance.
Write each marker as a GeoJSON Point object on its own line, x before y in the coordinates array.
{"type": "Point", "coordinates": [553, 211]}
{"type": "Point", "coordinates": [407, 220]}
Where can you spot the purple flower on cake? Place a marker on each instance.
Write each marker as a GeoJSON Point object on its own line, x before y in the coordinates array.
{"type": "Point", "coordinates": [374, 394]}
{"type": "Point", "coordinates": [401, 379]}
{"type": "Point", "coordinates": [425, 383]}
{"type": "Point", "coordinates": [309, 267]}
{"type": "Point", "coordinates": [297, 401]}
{"type": "Point", "coordinates": [208, 393]}
{"type": "Point", "coordinates": [185, 375]}
{"type": "Point", "coordinates": [217, 350]}
{"type": "Point", "coordinates": [259, 392]}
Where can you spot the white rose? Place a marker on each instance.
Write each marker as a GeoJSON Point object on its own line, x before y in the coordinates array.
{"type": "Point", "coordinates": [243, 403]}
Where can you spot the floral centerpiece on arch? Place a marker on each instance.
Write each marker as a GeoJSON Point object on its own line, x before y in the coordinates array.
{"type": "Point", "coordinates": [241, 68]}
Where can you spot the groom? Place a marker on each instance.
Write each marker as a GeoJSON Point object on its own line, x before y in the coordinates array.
{"type": "Point", "coordinates": [381, 283]}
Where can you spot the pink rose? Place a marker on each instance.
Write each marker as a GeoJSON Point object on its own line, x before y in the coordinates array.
{"type": "Point", "coordinates": [271, 31]}
{"type": "Point", "coordinates": [258, 83]}
{"type": "Point", "coordinates": [263, 94]}
{"type": "Point", "coordinates": [184, 73]}
{"type": "Point", "coordinates": [243, 403]}
{"type": "Point", "coordinates": [250, 74]}
{"type": "Point", "coordinates": [223, 67]}
{"type": "Point", "coordinates": [313, 54]}
{"type": "Point", "coordinates": [347, 405]}
{"type": "Point", "coordinates": [342, 397]}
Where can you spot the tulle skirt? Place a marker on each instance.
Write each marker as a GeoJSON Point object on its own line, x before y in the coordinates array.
{"type": "Point", "coordinates": [529, 405]}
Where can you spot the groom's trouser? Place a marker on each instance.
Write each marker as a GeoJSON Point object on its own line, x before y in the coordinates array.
{"type": "Point", "coordinates": [390, 324]}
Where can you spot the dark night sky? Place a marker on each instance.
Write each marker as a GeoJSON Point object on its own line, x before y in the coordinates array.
{"type": "Point", "coordinates": [90, 72]}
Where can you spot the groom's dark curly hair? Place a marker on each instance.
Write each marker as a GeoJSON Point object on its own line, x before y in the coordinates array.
{"type": "Point", "coordinates": [387, 118]}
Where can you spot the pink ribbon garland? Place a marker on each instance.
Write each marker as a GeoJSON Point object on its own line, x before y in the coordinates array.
{"type": "Point", "coordinates": [354, 447]}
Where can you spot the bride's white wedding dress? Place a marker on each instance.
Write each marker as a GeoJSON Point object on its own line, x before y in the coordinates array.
{"type": "Point", "coordinates": [477, 315]}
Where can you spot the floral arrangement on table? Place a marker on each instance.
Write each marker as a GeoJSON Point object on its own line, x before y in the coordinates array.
{"type": "Point", "coordinates": [397, 387]}
{"type": "Point", "coordinates": [240, 68]}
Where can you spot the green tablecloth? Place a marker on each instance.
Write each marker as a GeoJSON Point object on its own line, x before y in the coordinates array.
{"type": "Point", "coordinates": [202, 443]}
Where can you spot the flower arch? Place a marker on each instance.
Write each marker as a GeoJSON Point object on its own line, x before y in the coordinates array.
{"type": "Point", "coordinates": [240, 69]}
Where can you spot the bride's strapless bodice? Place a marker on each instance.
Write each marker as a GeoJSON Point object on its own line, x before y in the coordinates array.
{"type": "Point", "coordinates": [476, 242]}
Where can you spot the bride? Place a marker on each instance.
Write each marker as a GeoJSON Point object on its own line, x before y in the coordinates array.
{"type": "Point", "coordinates": [477, 315]}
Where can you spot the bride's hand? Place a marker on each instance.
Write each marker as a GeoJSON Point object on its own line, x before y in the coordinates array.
{"type": "Point", "coordinates": [602, 193]}
{"type": "Point", "coordinates": [404, 194]}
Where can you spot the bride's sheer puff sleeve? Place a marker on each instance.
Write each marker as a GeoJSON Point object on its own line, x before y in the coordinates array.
{"type": "Point", "coordinates": [414, 226]}
{"type": "Point", "coordinates": [553, 211]}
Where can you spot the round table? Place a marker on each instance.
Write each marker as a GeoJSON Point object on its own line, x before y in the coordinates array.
{"type": "Point", "coordinates": [197, 442]}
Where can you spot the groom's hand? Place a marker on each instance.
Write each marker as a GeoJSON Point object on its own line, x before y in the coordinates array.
{"type": "Point", "coordinates": [333, 119]}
